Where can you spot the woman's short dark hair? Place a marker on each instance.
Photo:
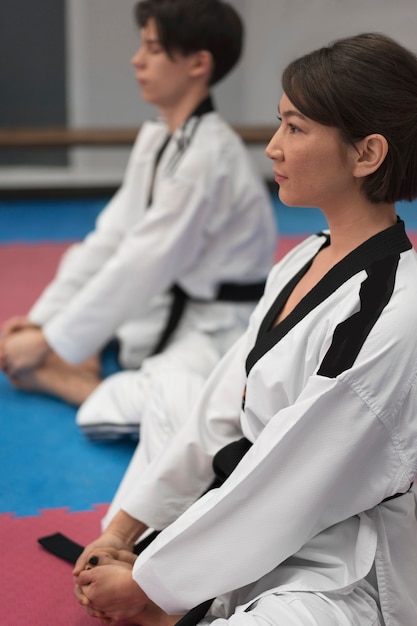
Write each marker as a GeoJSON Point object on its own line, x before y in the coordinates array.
{"type": "Point", "coordinates": [362, 85]}
{"type": "Point", "coordinates": [187, 26]}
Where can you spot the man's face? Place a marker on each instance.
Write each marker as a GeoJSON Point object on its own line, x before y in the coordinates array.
{"type": "Point", "coordinates": [163, 80]}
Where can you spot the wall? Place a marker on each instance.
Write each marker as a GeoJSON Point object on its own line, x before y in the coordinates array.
{"type": "Point", "coordinates": [32, 72]}
{"type": "Point", "coordinates": [102, 38]}
{"type": "Point", "coordinates": [281, 30]}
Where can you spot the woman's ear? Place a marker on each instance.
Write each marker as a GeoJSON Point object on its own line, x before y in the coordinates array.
{"type": "Point", "coordinates": [370, 154]}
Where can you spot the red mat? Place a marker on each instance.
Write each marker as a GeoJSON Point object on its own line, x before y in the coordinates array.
{"type": "Point", "coordinates": [25, 269]}
{"type": "Point", "coordinates": [286, 243]}
{"type": "Point", "coordinates": [37, 587]}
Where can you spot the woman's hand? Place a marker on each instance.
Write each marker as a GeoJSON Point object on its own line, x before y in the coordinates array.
{"type": "Point", "coordinates": [107, 592]}
{"type": "Point", "coordinates": [107, 543]}
{"type": "Point", "coordinates": [111, 556]}
{"type": "Point", "coordinates": [110, 593]}
{"type": "Point", "coordinates": [121, 534]}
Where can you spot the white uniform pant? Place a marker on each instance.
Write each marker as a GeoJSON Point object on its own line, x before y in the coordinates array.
{"type": "Point", "coordinates": [161, 418]}
{"type": "Point", "coordinates": [358, 608]}
{"type": "Point", "coordinates": [117, 406]}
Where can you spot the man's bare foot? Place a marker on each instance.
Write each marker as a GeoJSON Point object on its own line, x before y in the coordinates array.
{"type": "Point", "coordinates": [92, 365]}
{"type": "Point", "coordinates": [56, 377]}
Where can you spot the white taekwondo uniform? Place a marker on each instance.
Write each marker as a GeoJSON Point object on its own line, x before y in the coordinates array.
{"type": "Point", "coordinates": [201, 219]}
{"type": "Point", "coordinates": [330, 407]}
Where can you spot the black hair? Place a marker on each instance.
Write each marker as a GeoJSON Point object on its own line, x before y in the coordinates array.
{"type": "Point", "coordinates": [362, 85]}
{"type": "Point", "coordinates": [187, 26]}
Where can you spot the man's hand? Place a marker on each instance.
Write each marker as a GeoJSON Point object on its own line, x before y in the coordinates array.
{"type": "Point", "coordinates": [23, 350]}
{"type": "Point", "coordinates": [16, 323]}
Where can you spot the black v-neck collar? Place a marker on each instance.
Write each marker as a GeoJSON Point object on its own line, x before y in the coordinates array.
{"type": "Point", "coordinates": [183, 135]}
{"type": "Point", "coordinates": [205, 106]}
{"type": "Point", "coordinates": [391, 241]}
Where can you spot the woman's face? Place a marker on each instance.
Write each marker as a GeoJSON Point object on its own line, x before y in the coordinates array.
{"type": "Point", "coordinates": [312, 165]}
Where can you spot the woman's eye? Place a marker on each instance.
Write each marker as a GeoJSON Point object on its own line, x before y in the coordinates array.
{"type": "Point", "coordinates": [292, 128]}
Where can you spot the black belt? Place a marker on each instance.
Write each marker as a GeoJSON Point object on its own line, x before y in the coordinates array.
{"type": "Point", "coordinates": [228, 292]}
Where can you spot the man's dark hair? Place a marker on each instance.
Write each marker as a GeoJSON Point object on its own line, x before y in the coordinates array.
{"type": "Point", "coordinates": [362, 85]}
{"type": "Point", "coordinates": [187, 26]}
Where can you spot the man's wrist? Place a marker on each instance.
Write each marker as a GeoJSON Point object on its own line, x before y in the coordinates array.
{"type": "Point", "coordinates": [45, 347]}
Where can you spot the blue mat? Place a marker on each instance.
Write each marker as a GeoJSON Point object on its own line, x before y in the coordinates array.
{"type": "Point", "coordinates": [48, 220]}
{"type": "Point", "coordinates": [68, 219]}
{"type": "Point", "coordinates": [46, 462]}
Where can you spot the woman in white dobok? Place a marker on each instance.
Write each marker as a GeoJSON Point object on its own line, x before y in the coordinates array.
{"type": "Point", "coordinates": [316, 524]}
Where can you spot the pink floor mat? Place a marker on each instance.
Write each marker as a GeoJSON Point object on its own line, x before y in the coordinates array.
{"type": "Point", "coordinates": [37, 587]}
{"type": "Point", "coordinates": [25, 269]}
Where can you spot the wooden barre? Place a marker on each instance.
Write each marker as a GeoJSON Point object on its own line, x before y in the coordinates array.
{"type": "Point", "coordinates": [60, 137]}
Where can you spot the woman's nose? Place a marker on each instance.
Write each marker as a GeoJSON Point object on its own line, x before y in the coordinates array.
{"type": "Point", "coordinates": [273, 150]}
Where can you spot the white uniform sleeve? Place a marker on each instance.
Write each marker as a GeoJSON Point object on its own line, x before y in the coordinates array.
{"type": "Point", "coordinates": [322, 460]}
{"type": "Point", "coordinates": [81, 261]}
{"type": "Point", "coordinates": [149, 259]}
{"type": "Point", "coordinates": [84, 259]}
